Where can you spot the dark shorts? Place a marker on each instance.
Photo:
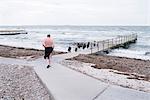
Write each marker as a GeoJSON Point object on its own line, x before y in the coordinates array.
{"type": "Point", "coordinates": [48, 51]}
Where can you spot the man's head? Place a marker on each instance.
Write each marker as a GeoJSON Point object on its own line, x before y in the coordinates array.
{"type": "Point", "coordinates": [48, 35]}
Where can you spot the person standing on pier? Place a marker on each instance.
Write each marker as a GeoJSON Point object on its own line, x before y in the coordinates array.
{"type": "Point", "coordinates": [48, 44]}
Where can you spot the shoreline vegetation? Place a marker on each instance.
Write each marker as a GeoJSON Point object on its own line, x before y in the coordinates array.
{"type": "Point", "coordinates": [22, 53]}
{"type": "Point", "coordinates": [134, 68]}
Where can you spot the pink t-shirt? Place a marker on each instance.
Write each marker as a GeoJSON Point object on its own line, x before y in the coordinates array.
{"type": "Point", "coordinates": [48, 42]}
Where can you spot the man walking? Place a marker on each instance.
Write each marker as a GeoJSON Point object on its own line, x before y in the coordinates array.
{"type": "Point", "coordinates": [49, 46]}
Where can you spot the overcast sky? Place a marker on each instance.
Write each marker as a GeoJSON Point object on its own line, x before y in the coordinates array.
{"type": "Point", "coordinates": [74, 12]}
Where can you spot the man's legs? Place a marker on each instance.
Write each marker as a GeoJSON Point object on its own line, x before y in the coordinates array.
{"type": "Point", "coordinates": [48, 54]}
{"type": "Point", "coordinates": [49, 60]}
{"type": "Point", "coordinates": [50, 57]}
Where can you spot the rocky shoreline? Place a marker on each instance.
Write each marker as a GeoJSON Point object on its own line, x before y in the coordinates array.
{"type": "Point", "coordinates": [135, 68]}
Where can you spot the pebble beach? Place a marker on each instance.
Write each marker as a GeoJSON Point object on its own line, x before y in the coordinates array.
{"type": "Point", "coordinates": [21, 83]}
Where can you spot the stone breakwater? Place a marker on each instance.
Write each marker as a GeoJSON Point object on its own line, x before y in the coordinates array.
{"type": "Point", "coordinates": [21, 83]}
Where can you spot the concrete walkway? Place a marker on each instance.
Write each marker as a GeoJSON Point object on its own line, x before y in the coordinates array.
{"type": "Point", "coordinates": [67, 84]}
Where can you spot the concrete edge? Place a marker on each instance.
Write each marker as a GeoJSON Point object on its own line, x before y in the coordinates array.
{"type": "Point", "coordinates": [49, 92]}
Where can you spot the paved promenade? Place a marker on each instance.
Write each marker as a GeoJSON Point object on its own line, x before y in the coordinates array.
{"type": "Point", "coordinates": [67, 84]}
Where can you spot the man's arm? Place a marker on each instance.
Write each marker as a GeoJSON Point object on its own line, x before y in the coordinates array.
{"type": "Point", "coordinates": [43, 43]}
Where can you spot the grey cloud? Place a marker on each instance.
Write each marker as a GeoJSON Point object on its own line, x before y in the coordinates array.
{"type": "Point", "coordinates": [91, 12]}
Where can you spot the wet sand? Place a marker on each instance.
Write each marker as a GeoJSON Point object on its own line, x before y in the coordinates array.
{"type": "Point", "coordinates": [135, 68]}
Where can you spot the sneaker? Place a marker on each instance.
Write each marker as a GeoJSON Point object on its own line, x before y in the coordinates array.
{"type": "Point", "coordinates": [48, 66]}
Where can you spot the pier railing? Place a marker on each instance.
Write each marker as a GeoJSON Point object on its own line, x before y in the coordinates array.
{"type": "Point", "coordinates": [105, 45]}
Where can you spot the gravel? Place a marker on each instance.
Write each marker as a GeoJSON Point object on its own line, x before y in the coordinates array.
{"type": "Point", "coordinates": [21, 83]}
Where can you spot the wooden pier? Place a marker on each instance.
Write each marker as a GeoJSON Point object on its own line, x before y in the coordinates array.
{"type": "Point", "coordinates": [106, 46]}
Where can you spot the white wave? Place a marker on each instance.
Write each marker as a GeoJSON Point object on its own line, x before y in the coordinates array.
{"type": "Point", "coordinates": [68, 33]}
{"type": "Point", "coordinates": [130, 54]}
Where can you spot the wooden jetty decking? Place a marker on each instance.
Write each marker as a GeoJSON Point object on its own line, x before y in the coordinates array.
{"type": "Point", "coordinates": [12, 32]}
{"type": "Point", "coordinates": [106, 45]}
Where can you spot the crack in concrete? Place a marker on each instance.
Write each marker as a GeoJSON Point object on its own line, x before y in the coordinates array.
{"type": "Point", "coordinates": [101, 92]}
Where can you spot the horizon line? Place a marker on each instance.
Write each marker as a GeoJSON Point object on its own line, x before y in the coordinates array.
{"type": "Point", "coordinates": [69, 25]}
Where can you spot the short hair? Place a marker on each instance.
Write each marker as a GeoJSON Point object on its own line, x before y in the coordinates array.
{"type": "Point", "coordinates": [48, 35]}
